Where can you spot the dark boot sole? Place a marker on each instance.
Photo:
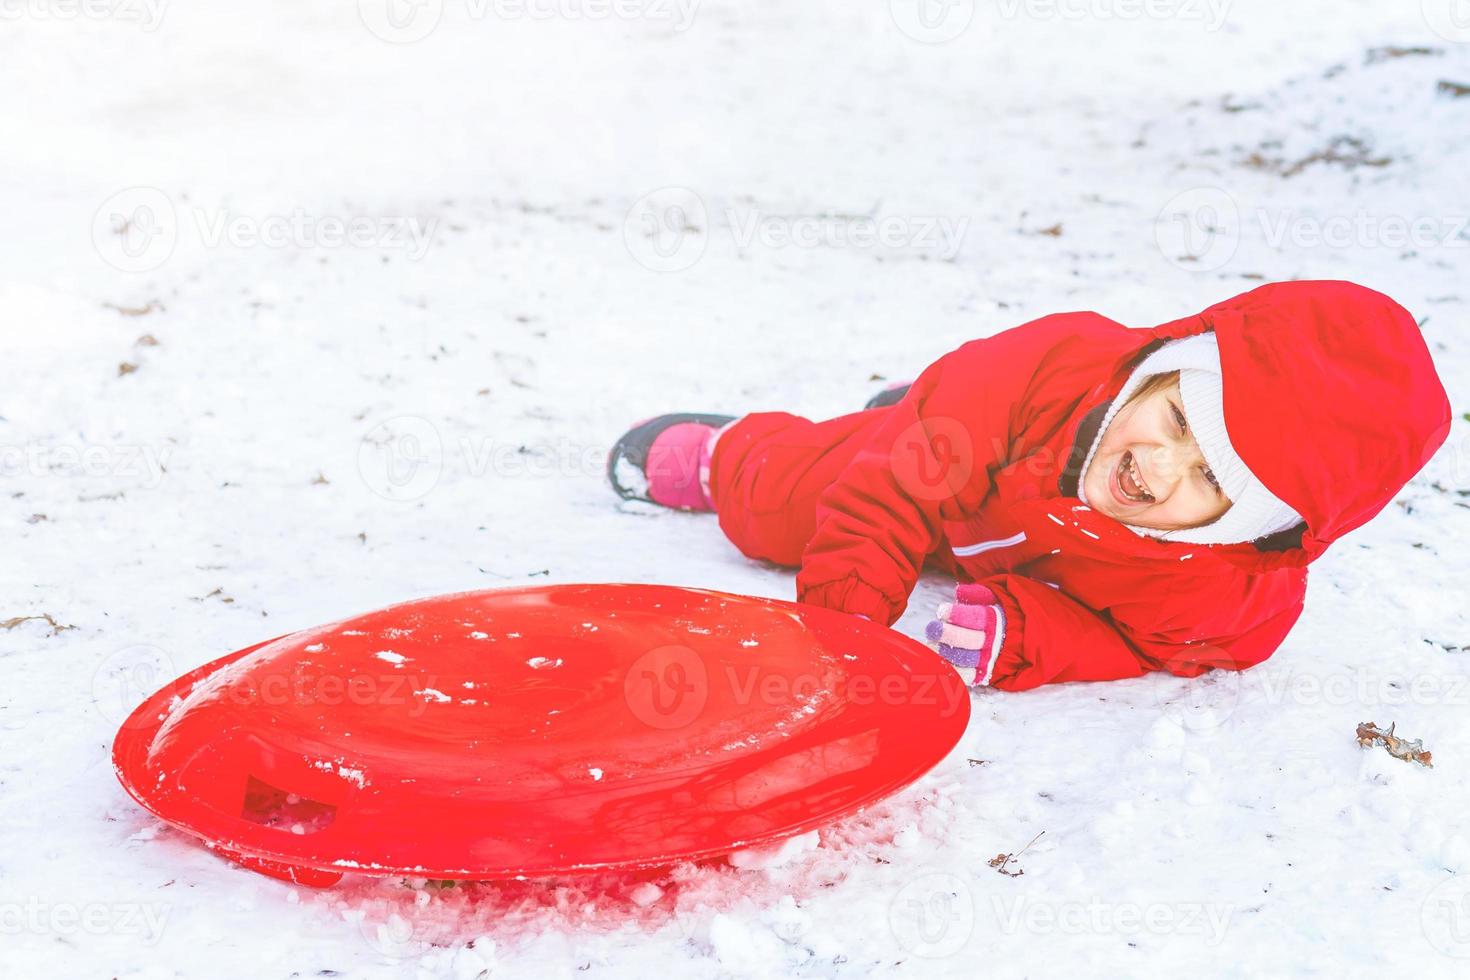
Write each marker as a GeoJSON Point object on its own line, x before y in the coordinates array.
{"type": "Point", "coordinates": [888, 396]}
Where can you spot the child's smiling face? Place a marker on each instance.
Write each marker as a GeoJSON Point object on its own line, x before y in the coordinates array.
{"type": "Point", "coordinates": [1149, 439]}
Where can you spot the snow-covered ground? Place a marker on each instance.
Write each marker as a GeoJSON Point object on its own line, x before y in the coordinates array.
{"type": "Point", "coordinates": [306, 309]}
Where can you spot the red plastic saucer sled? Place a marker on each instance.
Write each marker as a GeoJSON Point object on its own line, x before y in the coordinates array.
{"type": "Point", "coordinates": [537, 732]}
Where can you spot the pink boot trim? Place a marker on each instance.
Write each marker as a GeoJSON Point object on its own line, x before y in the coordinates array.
{"type": "Point", "coordinates": [706, 455]}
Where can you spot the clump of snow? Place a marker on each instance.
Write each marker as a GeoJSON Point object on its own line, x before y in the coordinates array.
{"type": "Point", "coordinates": [354, 776]}
{"type": "Point", "coordinates": [908, 837]}
{"type": "Point", "coordinates": [631, 477]}
{"type": "Point", "coordinates": [390, 657]}
{"type": "Point", "coordinates": [775, 855]}
{"type": "Point", "coordinates": [645, 894]}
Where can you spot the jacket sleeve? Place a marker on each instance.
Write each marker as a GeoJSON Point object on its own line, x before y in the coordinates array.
{"type": "Point", "coordinates": [930, 461]}
{"type": "Point", "coordinates": [1051, 637]}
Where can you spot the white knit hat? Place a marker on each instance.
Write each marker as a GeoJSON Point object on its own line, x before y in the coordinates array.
{"type": "Point", "coordinates": [1255, 511]}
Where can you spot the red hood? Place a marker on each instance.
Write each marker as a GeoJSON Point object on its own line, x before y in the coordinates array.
{"type": "Point", "coordinates": [1330, 398]}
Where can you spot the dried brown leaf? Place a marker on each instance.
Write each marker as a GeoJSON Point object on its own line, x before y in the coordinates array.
{"type": "Point", "coordinates": [151, 306]}
{"type": "Point", "coordinates": [1000, 861]}
{"type": "Point", "coordinates": [1369, 735]}
{"type": "Point", "coordinates": [10, 624]}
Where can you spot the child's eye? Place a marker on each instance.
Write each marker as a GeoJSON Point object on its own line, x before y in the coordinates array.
{"type": "Point", "coordinates": [1183, 428]}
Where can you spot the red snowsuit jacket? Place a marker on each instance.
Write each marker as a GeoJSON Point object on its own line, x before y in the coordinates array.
{"type": "Point", "coordinates": [1330, 398]}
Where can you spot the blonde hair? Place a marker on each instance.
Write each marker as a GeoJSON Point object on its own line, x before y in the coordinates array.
{"type": "Point", "coordinates": [1151, 384]}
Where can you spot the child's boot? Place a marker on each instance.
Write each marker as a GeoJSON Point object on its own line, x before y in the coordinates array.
{"type": "Point", "coordinates": [665, 460]}
{"type": "Point", "coordinates": [890, 395]}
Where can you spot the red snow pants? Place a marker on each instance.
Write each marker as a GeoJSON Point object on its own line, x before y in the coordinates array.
{"type": "Point", "coordinates": [768, 470]}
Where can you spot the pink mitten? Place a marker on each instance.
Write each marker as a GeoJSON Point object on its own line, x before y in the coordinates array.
{"type": "Point", "coordinates": [969, 631]}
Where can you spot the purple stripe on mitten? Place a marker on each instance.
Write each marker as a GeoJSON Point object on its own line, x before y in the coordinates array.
{"type": "Point", "coordinates": [959, 656]}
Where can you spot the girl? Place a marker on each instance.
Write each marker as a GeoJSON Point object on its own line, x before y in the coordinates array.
{"type": "Point", "coordinates": [1115, 500]}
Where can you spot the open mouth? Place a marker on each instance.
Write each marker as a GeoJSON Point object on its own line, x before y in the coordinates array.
{"type": "Point", "coordinates": [1127, 484]}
